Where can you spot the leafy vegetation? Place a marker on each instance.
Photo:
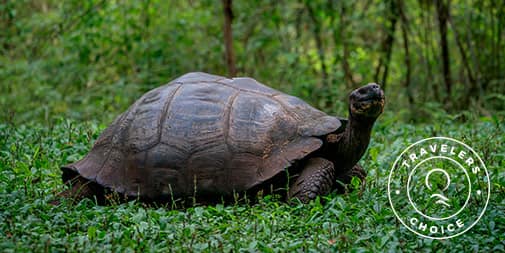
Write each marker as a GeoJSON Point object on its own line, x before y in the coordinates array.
{"type": "Point", "coordinates": [361, 220]}
{"type": "Point", "coordinates": [79, 59]}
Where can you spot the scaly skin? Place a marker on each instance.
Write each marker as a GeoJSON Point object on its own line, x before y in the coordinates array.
{"type": "Point", "coordinates": [317, 178]}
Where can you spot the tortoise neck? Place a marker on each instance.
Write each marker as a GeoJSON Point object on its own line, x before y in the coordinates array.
{"type": "Point", "coordinates": [353, 142]}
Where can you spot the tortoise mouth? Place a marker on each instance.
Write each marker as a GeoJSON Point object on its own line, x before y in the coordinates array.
{"type": "Point", "coordinates": [370, 107]}
{"type": "Point", "coordinates": [371, 98]}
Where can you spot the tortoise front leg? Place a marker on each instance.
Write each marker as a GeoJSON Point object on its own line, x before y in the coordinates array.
{"type": "Point", "coordinates": [316, 179]}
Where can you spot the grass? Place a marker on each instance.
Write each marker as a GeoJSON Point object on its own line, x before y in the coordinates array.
{"type": "Point", "coordinates": [360, 221]}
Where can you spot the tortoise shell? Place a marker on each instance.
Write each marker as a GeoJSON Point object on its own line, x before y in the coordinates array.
{"type": "Point", "coordinates": [203, 133]}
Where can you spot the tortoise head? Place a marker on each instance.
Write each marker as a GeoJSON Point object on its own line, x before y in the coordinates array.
{"type": "Point", "coordinates": [367, 102]}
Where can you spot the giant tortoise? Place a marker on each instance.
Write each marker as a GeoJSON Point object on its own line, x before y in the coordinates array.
{"type": "Point", "coordinates": [209, 137]}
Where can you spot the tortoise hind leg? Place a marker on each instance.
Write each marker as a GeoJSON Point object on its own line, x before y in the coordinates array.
{"type": "Point", "coordinates": [345, 178]}
{"type": "Point", "coordinates": [316, 179]}
{"type": "Point", "coordinates": [81, 188]}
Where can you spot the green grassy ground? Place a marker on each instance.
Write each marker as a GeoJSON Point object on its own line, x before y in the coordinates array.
{"type": "Point", "coordinates": [30, 156]}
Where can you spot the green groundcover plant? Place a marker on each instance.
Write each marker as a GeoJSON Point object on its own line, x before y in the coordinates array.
{"type": "Point", "coordinates": [358, 221]}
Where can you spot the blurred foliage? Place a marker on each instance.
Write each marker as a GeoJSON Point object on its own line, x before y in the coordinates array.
{"type": "Point", "coordinates": [90, 59]}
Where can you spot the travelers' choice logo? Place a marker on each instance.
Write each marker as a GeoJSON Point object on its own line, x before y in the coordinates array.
{"type": "Point", "coordinates": [438, 188]}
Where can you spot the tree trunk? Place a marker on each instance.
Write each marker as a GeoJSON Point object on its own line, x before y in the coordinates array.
{"type": "Point", "coordinates": [146, 39]}
{"type": "Point", "coordinates": [431, 87]}
{"type": "Point", "coordinates": [316, 29]}
{"type": "Point", "coordinates": [349, 81]}
{"type": "Point", "coordinates": [7, 25]}
{"type": "Point", "coordinates": [500, 27]}
{"type": "Point", "coordinates": [298, 35]}
{"type": "Point", "coordinates": [404, 27]}
{"type": "Point", "coordinates": [228, 38]}
{"type": "Point", "coordinates": [443, 14]}
{"type": "Point", "coordinates": [387, 44]}
{"type": "Point", "coordinates": [473, 90]}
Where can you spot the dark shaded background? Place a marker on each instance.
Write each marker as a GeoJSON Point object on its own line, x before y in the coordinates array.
{"type": "Point", "coordinates": [91, 59]}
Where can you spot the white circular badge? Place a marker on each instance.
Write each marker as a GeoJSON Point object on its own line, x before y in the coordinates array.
{"type": "Point", "coordinates": [439, 188]}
